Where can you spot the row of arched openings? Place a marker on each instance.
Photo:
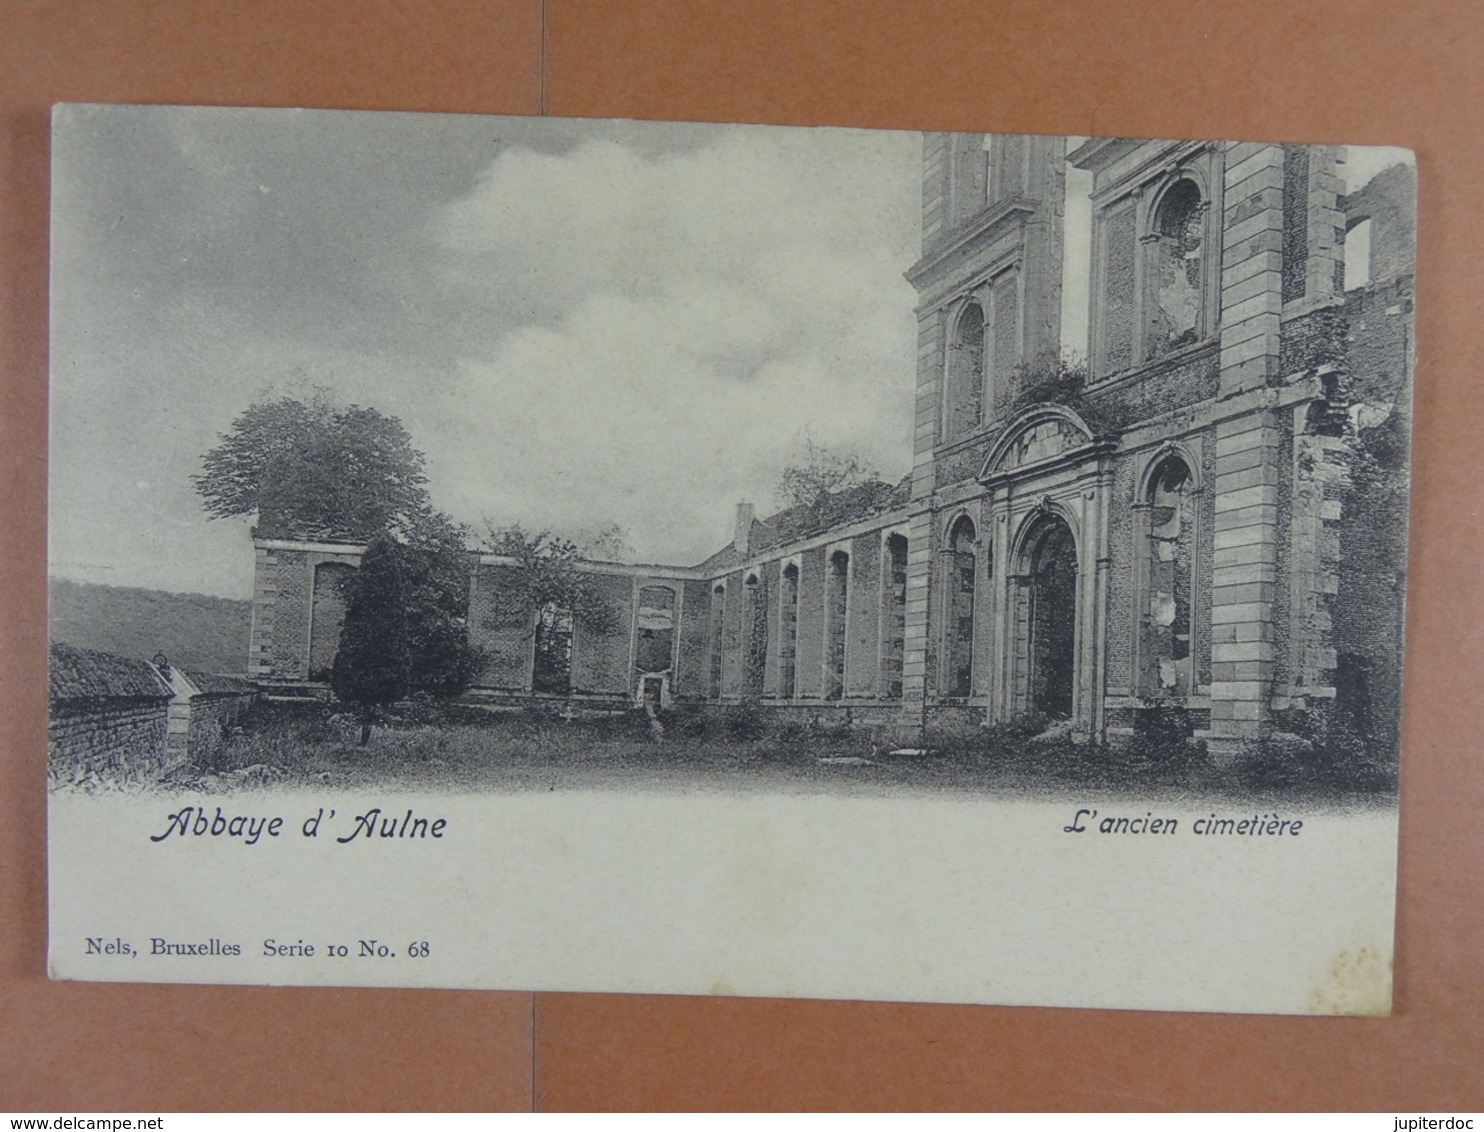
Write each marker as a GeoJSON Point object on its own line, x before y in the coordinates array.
{"type": "Point", "coordinates": [759, 614]}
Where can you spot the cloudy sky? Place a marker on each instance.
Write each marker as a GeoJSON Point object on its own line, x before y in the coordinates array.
{"type": "Point", "coordinates": [580, 323]}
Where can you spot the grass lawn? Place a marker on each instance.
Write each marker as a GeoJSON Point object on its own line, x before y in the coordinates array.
{"type": "Point", "coordinates": [466, 750]}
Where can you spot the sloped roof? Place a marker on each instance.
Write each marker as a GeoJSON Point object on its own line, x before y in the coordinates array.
{"type": "Point", "coordinates": [805, 520]}
{"type": "Point", "coordinates": [85, 674]}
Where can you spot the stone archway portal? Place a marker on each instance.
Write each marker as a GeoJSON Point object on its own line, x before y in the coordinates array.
{"type": "Point", "coordinates": [1046, 624]}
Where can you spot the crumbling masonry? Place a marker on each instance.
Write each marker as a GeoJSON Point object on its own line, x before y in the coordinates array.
{"type": "Point", "coordinates": [1210, 527]}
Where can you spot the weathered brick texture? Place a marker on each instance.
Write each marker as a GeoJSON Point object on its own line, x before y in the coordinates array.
{"type": "Point", "coordinates": [502, 628]}
{"type": "Point", "coordinates": [600, 661]}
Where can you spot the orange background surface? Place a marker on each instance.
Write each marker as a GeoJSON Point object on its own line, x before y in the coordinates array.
{"type": "Point", "coordinates": [1362, 71]}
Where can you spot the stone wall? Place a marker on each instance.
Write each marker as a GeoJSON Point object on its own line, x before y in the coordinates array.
{"type": "Point", "coordinates": [108, 743]}
{"type": "Point", "coordinates": [107, 720]}
{"type": "Point", "coordinates": [210, 718]}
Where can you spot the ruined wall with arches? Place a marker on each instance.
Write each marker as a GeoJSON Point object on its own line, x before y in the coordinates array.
{"type": "Point", "coordinates": [1172, 535]}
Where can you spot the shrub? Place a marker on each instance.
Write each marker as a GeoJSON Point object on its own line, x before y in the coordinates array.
{"type": "Point", "coordinates": [746, 721]}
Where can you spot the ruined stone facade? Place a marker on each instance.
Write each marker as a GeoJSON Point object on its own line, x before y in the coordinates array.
{"type": "Point", "coordinates": [1209, 523]}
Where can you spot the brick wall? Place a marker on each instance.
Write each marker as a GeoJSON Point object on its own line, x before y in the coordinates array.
{"type": "Point", "coordinates": [1177, 382]}
{"type": "Point", "coordinates": [1313, 339]}
{"type": "Point", "coordinates": [771, 582]}
{"type": "Point", "coordinates": [1295, 221]}
{"type": "Point", "coordinates": [293, 598]}
{"type": "Point", "coordinates": [811, 623]}
{"type": "Point", "coordinates": [1205, 554]}
{"type": "Point", "coordinates": [863, 630]}
{"type": "Point", "coordinates": [1389, 201]}
{"type": "Point", "coordinates": [691, 651]}
{"type": "Point", "coordinates": [286, 574]}
{"type": "Point", "coordinates": [600, 661]}
{"type": "Point", "coordinates": [1122, 619]}
{"type": "Point", "coordinates": [327, 604]}
{"type": "Point", "coordinates": [1378, 342]}
{"type": "Point", "coordinates": [1368, 609]}
{"type": "Point", "coordinates": [1116, 340]}
{"type": "Point", "coordinates": [501, 628]}
{"type": "Point", "coordinates": [1287, 637]}
{"type": "Point", "coordinates": [733, 663]}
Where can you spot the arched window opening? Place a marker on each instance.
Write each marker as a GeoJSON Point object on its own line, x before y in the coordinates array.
{"type": "Point", "coordinates": [788, 632]}
{"type": "Point", "coordinates": [962, 568]}
{"type": "Point", "coordinates": [717, 637]}
{"type": "Point", "coordinates": [654, 648]}
{"type": "Point", "coordinates": [893, 615]}
{"type": "Point", "coordinates": [965, 376]}
{"type": "Point", "coordinates": [1175, 267]}
{"type": "Point", "coordinates": [551, 670]}
{"type": "Point", "coordinates": [755, 630]}
{"type": "Point", "coordinates": [1167, 616]}
{"type": "Point", "coordinates": [1358, 255]}
{"type": "Point", "coordinates": [837, 598]}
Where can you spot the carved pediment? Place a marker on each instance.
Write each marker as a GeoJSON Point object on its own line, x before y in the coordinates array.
{"type": "Point", "coordinates": [1040, 434]}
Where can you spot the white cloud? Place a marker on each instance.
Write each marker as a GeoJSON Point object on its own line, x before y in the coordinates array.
{"type": "Point", "coordinates": [633, 333]}
{"type": "Point", "coordinates": [688, 316]}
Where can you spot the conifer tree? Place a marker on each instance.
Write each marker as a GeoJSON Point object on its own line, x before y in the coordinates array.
{"type": "Point", "coordinates": [372, 664]}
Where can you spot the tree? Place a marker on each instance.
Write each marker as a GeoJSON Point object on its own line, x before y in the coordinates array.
{"type": "Point", "coordinates": [313, 469]}
{"type": "Point", "coordinates": [821, 472]}
{"type": "Point", "coordinates": [373, 663]}
{"type": "Point", "coordinates": [435, 573]}
{"type": "Point", "coordinates": [552, 584]}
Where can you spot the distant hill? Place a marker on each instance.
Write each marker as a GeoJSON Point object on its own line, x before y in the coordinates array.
{"type": "Point", "coordinates": [208, 634]}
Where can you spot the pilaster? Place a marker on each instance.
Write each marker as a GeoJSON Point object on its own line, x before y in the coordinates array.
{"type": "Point", "coordinates": [1252, 267]}
{"type": "Point", "coordinates": [916, 666]}
{"type": "Point", "coordinates": [1244, 578]}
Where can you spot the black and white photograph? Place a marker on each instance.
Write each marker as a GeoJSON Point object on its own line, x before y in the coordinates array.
{"type": "Point", "coordinates": [716, 559]}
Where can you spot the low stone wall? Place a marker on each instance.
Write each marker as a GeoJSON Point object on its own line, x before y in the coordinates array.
{"type": "Point", "coordinates": [108, 743]}
{"type": "Point", "coordinates": [118, 722]}
{"type": "Point", "coordinates": [211, 717]}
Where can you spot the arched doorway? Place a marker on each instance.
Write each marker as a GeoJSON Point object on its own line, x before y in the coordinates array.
{"type": "Point", "coordinates": [1046, 625]}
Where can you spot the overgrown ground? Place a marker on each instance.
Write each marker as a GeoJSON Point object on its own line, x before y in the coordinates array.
{"type": "Point", "coordinates": [457, 749]}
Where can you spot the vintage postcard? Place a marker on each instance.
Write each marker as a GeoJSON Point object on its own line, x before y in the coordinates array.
{"type": "Point", "coordinates": [699, 559]}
